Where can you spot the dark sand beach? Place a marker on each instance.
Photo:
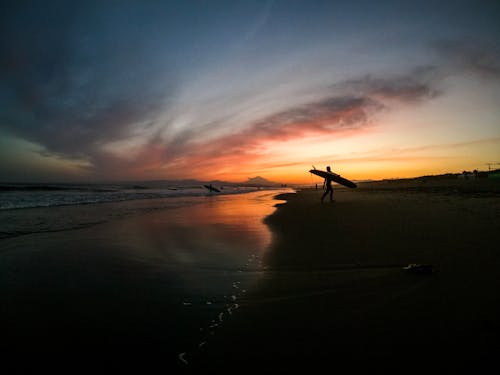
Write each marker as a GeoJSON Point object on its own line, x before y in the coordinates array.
{"type": "Point", "coordinates": [335, 294]}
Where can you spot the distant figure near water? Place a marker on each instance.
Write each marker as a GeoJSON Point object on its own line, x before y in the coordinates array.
{"type": "Point", "coordinates": [212, 189]}
{"type": "Point", "coordinates": [327, 183]}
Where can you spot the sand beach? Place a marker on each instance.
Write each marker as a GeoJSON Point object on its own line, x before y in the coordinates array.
{"type": "Point", "coordinates": [232, 283]}
{"type": "Point", "coordinates": [336, 294]}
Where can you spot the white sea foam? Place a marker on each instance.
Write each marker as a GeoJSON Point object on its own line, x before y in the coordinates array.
{"type": "Point", "coordinates": [16, 196]}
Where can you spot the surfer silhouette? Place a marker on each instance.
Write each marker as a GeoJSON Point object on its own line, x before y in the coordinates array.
{"type": "Point", "coordinates": [328, 185]}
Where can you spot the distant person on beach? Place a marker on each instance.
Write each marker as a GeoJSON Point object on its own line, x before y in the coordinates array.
{"type": "Point", "coordinates": [328, 185]}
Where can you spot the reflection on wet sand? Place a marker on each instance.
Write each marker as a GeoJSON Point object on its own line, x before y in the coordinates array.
{"type": "Point", "coordinates": [155, 282]}
{"type": "Point", "coordinates": [214, 250]}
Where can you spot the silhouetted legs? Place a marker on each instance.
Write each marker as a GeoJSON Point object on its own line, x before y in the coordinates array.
{"type": "Point", "coordinates": [329, 189]}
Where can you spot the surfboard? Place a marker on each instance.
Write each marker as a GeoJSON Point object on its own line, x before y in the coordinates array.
{"type": "Point", "coordinates": [211, 188]}
{"type": "Point", "coordinates": [334, 177]}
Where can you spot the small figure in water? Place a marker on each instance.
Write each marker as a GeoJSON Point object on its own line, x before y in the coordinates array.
{"type": "Point", "coordinates": [329, 189]}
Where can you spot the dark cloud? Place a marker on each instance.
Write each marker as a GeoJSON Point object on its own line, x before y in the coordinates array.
{"type": "Point", "coordinates": [327, 115]}
{"type": "Point", "coordinates": [419, 84]}
{"type": "Point", "coordinates": [73, 77]}
{"type": "Point", "coordinates": [478, 57]}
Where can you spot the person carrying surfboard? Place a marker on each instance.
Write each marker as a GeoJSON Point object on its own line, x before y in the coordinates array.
{"type": "Point", "coordinates": [328, 184]}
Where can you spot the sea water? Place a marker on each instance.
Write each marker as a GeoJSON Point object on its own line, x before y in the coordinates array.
{"type": "Point", "coordinates": [81, 200]}
{"type": "Point", "coordinates": [14, 196]}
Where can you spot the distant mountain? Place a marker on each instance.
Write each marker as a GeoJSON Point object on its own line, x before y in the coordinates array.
{"type": "Point", "coordinates": [259, 181]}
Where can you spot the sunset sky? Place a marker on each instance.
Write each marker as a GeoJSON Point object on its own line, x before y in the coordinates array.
{"type": "Point", "coordinates": [136, 90]}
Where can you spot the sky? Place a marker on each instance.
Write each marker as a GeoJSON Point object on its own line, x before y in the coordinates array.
{"type": "Point", "coordinates": [95, 91]}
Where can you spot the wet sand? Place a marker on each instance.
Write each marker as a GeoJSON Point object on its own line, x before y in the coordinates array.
{"type": "Point", "coordinates": [335, 293]}
{"type": "Point", "coordinates": [132, 288]}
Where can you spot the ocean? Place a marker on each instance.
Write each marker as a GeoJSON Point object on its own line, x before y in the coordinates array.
{"type": "Point", "coordinates": [149, 274]}
{"type": "Point", "coordinates": [15, 197]}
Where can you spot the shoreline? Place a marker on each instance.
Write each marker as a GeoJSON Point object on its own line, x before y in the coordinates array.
{"type": "Point", "coordinates": [75, 216]}
{"type": "Point", "coordinates": [335, 289]}
{"type": "Point", "coordinates": [134, 292]}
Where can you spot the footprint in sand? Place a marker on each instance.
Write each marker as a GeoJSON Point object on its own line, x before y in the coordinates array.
{"type": "Point", "coordinates": [182, 357]}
